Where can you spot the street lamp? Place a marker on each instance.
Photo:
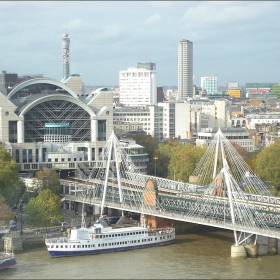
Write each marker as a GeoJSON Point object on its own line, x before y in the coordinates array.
{"type": "Point", "coordinates": [20, 208]}
{"type": "Point", "coordinates": [155, 158]}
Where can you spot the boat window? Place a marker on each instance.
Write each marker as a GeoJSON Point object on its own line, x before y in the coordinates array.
{"type": "Point", "coordinates": [52, 246]}
{"type": "Point", "coordinates": [98, 245]}
{"type": "Point", "coordinates": [66, 246]}
{"type": "Point", "coordinates": [61, 246]}
{"type": "Point", "coordinates": [83, 246]}
{"type": "Point", "coordinates": [160, 238]}
{"type": "Point", "coordinates": [122, 234]}
{"type": "Point", "coordinates": [105, 244]}
{"type": "Point", "coordinates": [118, 243]}
{"type": "Point", "coordinates": [109, 244]}
{"type": "Point", "coordinates": [93, 245]}
{"type": "Point", "coordinates": [133, 233]}
{"type": "Point", "coordinates": [79, 246]}
{"type": "Point", "coordinates": [109, 235]}
{"type": "Point", "coordinates": [138, 241]}
{"type": "Point", "coordinates": [74, 246]}
{"type": "Point", "coordinates": [119, 235]}
{"type": "Point", "coordinates": [125, 242]}
{"type": "Point", "coordinates": [56, 246]}
{"type": "Point", "coordinates": [156, 239]}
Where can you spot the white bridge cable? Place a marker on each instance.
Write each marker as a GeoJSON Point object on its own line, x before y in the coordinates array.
{"type": "Point", "coordinates": [239, 169]}
{"type": "Point", "coordinates": [214, 203]}
{"type": "Point", "coordinates": [135, 192]}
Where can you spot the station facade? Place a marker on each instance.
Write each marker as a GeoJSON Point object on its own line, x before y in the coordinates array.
{"type": "Point", "coordinates": [45, 124]}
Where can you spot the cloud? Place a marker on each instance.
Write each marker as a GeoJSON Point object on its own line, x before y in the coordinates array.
{"type": "Point", "coordinates": [152, 19]}
{"type": "Point", "coordinates": [216, 14]}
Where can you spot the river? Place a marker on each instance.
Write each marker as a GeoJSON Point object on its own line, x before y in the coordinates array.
{"type": "Point", "coordinates": [193, 256]}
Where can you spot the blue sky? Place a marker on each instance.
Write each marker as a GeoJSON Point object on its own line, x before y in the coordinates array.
{"type": "Point", "coordinates": [235, 40]}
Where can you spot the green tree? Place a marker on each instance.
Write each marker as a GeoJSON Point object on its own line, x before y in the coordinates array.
{"type": "Point", "coordinates": [164, 153]}
{"type": "Point", "coordinates": [44, 210]}
{"type": "Point", "coordinates": [268, 164]}
{"type": "Point", "coordinates": [11, 186]}
{"type": "Point", "coordinates": [14, 193]}
{"type": "Point", "coordinates": [5, 214]}
{"type": "Point", "coordinates": [47, 179]}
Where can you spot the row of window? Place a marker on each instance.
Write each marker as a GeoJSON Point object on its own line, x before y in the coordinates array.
{"type": "Point", "coordinates": [108, 244]}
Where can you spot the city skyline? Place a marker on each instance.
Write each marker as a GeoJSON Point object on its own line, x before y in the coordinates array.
{"type": "Point", "coordinates": [239, 43]}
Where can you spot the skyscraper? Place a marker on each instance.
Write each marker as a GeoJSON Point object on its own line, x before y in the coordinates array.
{"type": "Point", "coordinates": [185, 69]}
{"type": "Point", "coordinates": [65, 54]}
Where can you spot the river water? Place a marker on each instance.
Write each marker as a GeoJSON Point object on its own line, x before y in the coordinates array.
{"type": "Point", "coordinates": [193, 256]}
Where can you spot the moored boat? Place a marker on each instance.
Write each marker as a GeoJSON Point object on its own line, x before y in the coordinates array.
{"type": "Point", "coordinates": [7, 260]}
{"type": "Point", "coordinates": [104, 239]}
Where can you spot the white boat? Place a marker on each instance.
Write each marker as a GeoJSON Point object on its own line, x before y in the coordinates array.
{"type": "Point", "coordinates": [103, 239]}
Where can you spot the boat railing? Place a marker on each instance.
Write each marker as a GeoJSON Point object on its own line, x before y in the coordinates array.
{"type": "Point", "coordinates": [161, 231]}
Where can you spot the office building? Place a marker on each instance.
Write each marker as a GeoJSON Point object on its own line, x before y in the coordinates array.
{"type": "Point", "coordinates": [146, 65]}
{"type": "Point", "coordinates": [185, 69]}
{"type": "Point", "coordinates": [239, 136]}
{"type": "Point", "coordinates": [209, 84]}
{"type": "Point", "coordinates": [138, 87]}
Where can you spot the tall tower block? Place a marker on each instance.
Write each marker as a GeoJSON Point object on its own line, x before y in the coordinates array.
{"type": "Point", "coordinates": [185, 69]}
{"type": "Point", "coordinates": [65, 54]}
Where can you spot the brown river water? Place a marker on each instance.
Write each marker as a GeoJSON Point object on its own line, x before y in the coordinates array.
{"type": "Point", "coordinates": [193, 256]}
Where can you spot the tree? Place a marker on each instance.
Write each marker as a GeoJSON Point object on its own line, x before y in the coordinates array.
{"type": "Point", "coordinates": [268, 164]}
{"type": "Point", "coordinates": [44, 210]}
{"type": "Point", "coordinates": [183, 160]}
{"type": "Point", "coordinates": [14, 193]}
{"type": "Point", "coordinates": [11, 186]}
{"type": "Point", "coordinates": [47, 179]}
{"type": "Point", "coordinates": [5, 214]}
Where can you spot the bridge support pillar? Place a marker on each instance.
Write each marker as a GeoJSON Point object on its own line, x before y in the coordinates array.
{"type": "Point", "coordinates": [251, 246]}
{"type": "Point", "coordinates": [238, 252]}
{"type": "Point", "coordinates": [272, 244]}
{"type": "Point", "coordinates": [252, 250]}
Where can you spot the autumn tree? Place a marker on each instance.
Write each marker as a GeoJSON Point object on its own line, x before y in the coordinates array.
{"type": "Point", "coordinates": [44, 210]}
{"type": "Point", "coordinates": [183, 160]}
{"type": "Point", "coordinates": [47, 179]}
{"type": "Point", "coordinates": [268, 164]}
{"type": "Point", "coordinates": [11, 186]}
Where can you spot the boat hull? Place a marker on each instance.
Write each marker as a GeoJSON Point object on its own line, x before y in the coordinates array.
{"type": "Point", "coordinates": [57, 254]}
{"type": "Point", "coordinates": [7, 263]}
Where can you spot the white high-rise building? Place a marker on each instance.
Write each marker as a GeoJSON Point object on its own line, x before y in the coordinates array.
{"type": "Point", "coordinates": [209, 84]}
{"type": "Point", "coordinates": [138, 87]}
{"type": "Point", "coordinates": [185, 69]}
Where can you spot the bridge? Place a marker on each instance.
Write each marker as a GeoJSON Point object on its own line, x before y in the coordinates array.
{"type": "Point", "coordinates": [223, 192]}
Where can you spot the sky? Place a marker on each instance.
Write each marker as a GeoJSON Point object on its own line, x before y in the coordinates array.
{"type": "Point", "coordinates": [233, 40]}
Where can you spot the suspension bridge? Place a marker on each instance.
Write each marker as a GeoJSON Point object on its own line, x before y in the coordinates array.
{"type": "Point", "coordinates": [222, 192]}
